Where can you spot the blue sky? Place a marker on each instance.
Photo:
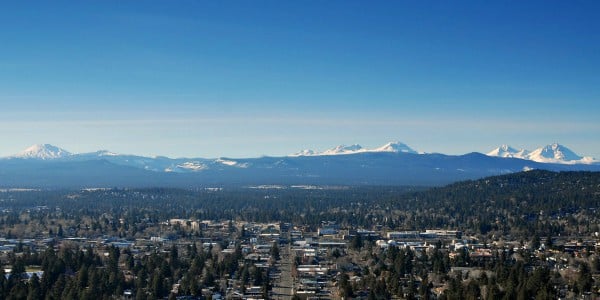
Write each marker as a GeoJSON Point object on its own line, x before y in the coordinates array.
{"type": "Point", "coordinates": [250, 78]}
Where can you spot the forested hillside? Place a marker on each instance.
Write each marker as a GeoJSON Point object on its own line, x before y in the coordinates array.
{"type": "Point", "coordinates": [537, 201]}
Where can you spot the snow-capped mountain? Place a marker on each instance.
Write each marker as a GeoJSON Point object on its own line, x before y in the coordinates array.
{"type": "Point", "coordinates": [395, 147]}
{"type": "Point", "coordinates": [554, 153]}
{"type": "Point", "coordinates": [343, 149]}
{"type": "Point", "coordinates": [338, 150]}
{"type": "Point", "coordinates": [508, 151]}
{"type": "Point", "coordinates": [43, 152]}
{"type": "Point", "coordinates": [193, 166]}
{"type": "Point", "coordinates": [305, 152]}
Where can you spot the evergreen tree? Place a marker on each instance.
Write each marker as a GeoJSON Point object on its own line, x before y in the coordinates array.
{"type": "Point", "coordinates": [34, 288]}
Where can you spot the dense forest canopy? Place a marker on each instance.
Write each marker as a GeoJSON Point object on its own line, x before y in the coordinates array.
{"type": "Point", "coordinates": [535, 200]}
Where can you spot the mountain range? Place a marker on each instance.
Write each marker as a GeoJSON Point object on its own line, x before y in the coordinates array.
{"type": "Point", "coordinates": [395, 147]}
{"type": "Point", "coordinates": [395, 163]}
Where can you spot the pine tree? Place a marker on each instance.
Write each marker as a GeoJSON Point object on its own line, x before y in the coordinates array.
{"type": "Point", "coordinates": [34, 288]}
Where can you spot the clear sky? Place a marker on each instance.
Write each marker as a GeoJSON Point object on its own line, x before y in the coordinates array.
{"type": "Point", "coordinates": [251, 78]}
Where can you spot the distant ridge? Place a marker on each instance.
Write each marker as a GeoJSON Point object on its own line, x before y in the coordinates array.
{"type": "Point", "coordinates": [47, 166]}
{"type": "Point", "coordinates": [553, 153]}
{"type": "Point", "coordinates": [394, 147]}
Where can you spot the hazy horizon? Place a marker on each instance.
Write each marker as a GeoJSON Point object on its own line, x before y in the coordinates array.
{"type": "Point", "coordinates": [296, 153]}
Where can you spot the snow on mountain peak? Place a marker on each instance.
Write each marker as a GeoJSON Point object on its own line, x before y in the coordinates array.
{"type": "Point", "coordinates": [43, 151]}
{"type": "Point", "coordinates": [305, 152]}
{"type": "Point", "coordinates": [507, 148]}
{"type": "Point", "coordinates": [106, 153]}
{"type": "Point", "coordinates": [343, 149]}
{"type": "Point", "coordinates": [508, 151]}
{"type": "Point", "coordinates": [396, 147]}
{"type": "Point", "coordinates": [231, 163]}
{"type": "Point", "coordinates": [553, 153]}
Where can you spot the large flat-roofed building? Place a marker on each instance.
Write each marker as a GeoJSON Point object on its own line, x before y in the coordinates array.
{"type": "Point", "coordinates": [447, 234]}
{"type": "Point", "coordinates": [401, 235]}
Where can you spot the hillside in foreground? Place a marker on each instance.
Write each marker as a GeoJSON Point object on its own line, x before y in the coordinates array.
{"type": "Point", "coordinates": [536, 201]}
